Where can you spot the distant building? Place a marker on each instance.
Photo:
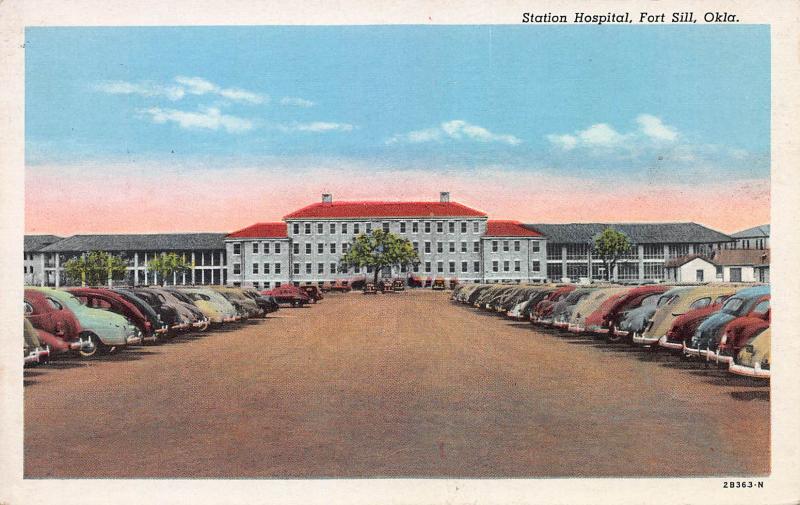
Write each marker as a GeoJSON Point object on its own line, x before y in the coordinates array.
{"type": "Point", "coordinates": [743, 265]}
{"type": "Point", "coordinates": [751, 238]}
{"type": "Point", "coordinates": [692, 268]}
{"type": "Point", "coordinates": [32, 258]}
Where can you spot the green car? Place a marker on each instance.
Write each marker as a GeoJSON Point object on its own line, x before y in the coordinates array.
{"type": "Point", "coordinates": [105, 330]}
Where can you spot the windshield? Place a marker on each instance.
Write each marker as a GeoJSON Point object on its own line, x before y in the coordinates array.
{"type": "Point", "coordinates": [699, 304]}
{"type": "Point", "coordinates": [650, 300]}
{"type": "Point", "coordinates": [732, 305]}
{"type": "Point", "coordinates": [762, 307]}
{"type": "Point", "coordinates": [69, 300]}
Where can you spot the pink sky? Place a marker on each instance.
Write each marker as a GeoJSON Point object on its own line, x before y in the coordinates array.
{"type": "Point", "coordinates": [73, 200]}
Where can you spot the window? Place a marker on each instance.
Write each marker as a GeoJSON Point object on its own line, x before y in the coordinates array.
{"type": "Point", "coordinates": [402, 226]}
{"type": "Point", "coordinates": [237, 269]}
{"type": "Point", "coordinates": [464, 266]}
{"type": "Point", "coordinates": [577, 251]}
{"type": "Point", "coordinates": [308, 228]}
{"type": "Point", "coordinates": [344, 228]}
{"type": "Point", "coordinates": [554, 271]}
{"type": "Point", "coordinates": [653, 270]}
{"type": "Point", "coordinates": [345, 247]}
{"type": "Point", "coordinates": [439, 246]}
{"type": "Point", "coordinates": [266, 268]}
{"type": "Point", "coordinates": [255, 268]}
{"type": "Point", "coordinates": [415, 245]}
{"type": "Point", "coordinates": [553, 253]}
{"type": "Point", "coordinates": [427, 247]}
{"type": "Point", "coordinates": [463, 227]}
{"type": "Point", "coordinates": [427, 226]}
{"type": "Point", "coordinates": [427, 267]}
{"type": "Point", "coordinates": [319, 228]}
{"type": "Point", "coordinates": [369, 227]}
{"type": "Point", "coordinates": [357, 269]}
{"type": "Point", "coordinates": [476, 246]}
{"type": "Point", "coordinates": [699, 304]}
{"type": "Point", "coordinates": [476, 227]}
{"type": "Point", "coordinates": [297, 268]}
{"type": "Point", "coordinates": [416, 268]}
{"type": "Point", "coordinates": [495, 266]}
{"type": "Point", "coordinates": [762, 307]}
{"type": "Point", "coordinates": [266, 247]}
{"type": "Point", "coordinates": [516, 245]}
{"type": "Point", "coordinates": [295, 228]}
{"type": "Point", "coordinates": [506, 266]}
{"type": "Point", "coordinates": [463, 247]}
{"type": "Point", "coordinates": [255, 247]}
{"type": "Point", "coordinates": [296, 248]}
{"type": "Point", "coordinates": [452, 247]}
{"type": "Point", "coordinates": [277, 247]}
{"type": "Point", "coordinates": [333, 247]}
{"type": "Point", "coordinates": [278, 268]}
{"type": "Point", "coordinates": [308, 248]}
{"type": "Point", "coordinates": [333, 267]}
{"type": "Point", "coordinates": [452, 267]}
{"type": "Point", "coordinates": [403, 268]}
{"type": "Point", "coordinates": [257, 285]}
{"type": "Point", "coordinates": [237, 249]}
{"type": "Point", "coordinates": [415, 227]}
{"type": "Point", "coordinates": [332, 228]}
{"type": "Point", "coordinates": [736, 274]}
{"type": "Point", "coordinates": [534, 246]}
{"type": "Point", "coordinates": [439, 227]}
{"type": "Point", "coordinates": [476, 266]}
{"type": "Point", "coordinates": [677, 250]}
{"type": "Point", "coordinates": [278, 284]}
{"type": "Point", "coordinates": [535, 267]}
{"type": "Point", "coordinates": [386, 227]}
{"type": "Point", "coordinates": [320, 268]}
{"type": "Point", "coordinates": [494, 246]}
{"type": "Point", "coordinates": [356, 227]}
{"type": "Point", "coordinates": [308, 268]}
{"type": "Point", "coordinates": [451, 227]}
{"type": "Point", "coordinates": [440, 267]}
{"type": "Point", "coordinates": [320, 248]}
{"type": "Point", "coordinates": [698, 275]}
{"type": "Point", "coordinates": [505, 246]}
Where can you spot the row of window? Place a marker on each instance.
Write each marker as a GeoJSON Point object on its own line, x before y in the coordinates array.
{"type": "Point", "coordinates": [265, 248]}
{"type": "Point", "coordinates": [402, 227]}
{"type": "Point", "coordinates": [517, 266]}
{"type": "Point", "coordinates": [506, 245]}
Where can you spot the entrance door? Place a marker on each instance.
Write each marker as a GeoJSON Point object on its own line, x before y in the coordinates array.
{"type": "Point", "coordinates": [736, 275]}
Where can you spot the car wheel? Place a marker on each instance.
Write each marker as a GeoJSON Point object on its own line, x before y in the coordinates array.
{"type": "Point", "coordinates": [204, 327]}
{"type": "Point", "coordinates": [97, 348]}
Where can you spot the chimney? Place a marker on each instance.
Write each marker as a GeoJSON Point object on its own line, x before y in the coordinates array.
{"type": "Point", "coordinates": [444, 196]}
{"type": "Point", "coordinates": [327, 198]}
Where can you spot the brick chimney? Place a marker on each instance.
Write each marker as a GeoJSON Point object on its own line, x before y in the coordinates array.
{"type": "Point", "coordinates": [327, 198]}
{"type": "Point", "coordinates": [444, 196]}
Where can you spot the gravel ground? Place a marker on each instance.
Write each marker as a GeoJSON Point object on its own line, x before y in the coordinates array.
{"type": "Point", "coordinates": [395, 385]}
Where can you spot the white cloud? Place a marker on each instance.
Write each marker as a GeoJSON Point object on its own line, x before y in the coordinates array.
{"type": "Point", "coordinates": [208, 118]}
{"type": "Point", "coordinates": [654, 128]}
{"type": "Point", "coordinates": [296, 101]}
{"type": "Point", "coordinates": [184, 85]}
{"type": "Point", "coordinates": [600, 135]}
{"type": "Point", "coordinates": [456, 129]}
{"type": "Point", "coordinates": [566, 142]}
{"type": "Point", "coordinates": [317, 127]}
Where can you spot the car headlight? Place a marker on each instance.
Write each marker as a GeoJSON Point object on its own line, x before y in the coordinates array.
{"type": "Point", "coordinates": [724, 339]}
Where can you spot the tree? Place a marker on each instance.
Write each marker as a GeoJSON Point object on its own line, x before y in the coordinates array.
{"type": "Point", "coordinates": [95, 268]}
{"type": "Point", "coordinates": [379, 249]}
{"type": "Point", "coordinates": [609, 246]}
{"type": "Point", "coordinates": [167, 264]}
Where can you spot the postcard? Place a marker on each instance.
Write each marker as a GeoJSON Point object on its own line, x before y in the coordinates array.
{"type": "Point", "coordinates": [431, 253]}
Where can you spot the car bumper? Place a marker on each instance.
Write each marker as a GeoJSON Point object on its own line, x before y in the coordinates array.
{"type": "Point", "coordinates": [647, 340]}
{"type": "Point", "coordinates": [663, 342]}
{"type": "Point", "coordinates": [133, 340]}
{"type": "Point", "coordinates": [754, 371]}
{"type": "Point", "coordinates": [575, 328]}
{"type": "Point", "coordinates": [723, 358]}
{"type": "Point", "coordinates": [81, 345]}
{"type": "Point", "coordinates": [691, 351]}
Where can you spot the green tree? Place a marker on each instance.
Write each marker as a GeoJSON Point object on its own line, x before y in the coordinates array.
{"type": "Point", "coordinates": [378, 250]}
{"type": "Point", "coordinates": [95, 268]}
{"type": "Point", "coordinates": [167, 264]}
{"type": "Point", "coordinates": [609, 246]}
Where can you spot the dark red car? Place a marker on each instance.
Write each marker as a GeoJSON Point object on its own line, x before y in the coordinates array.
{"type": "Point", "coordinates": [684, 326]}
{"type": "Point", "coordinates": [55, 320]}
{"type": "Point", "coordinates": [742, 329]}
{"type": "Point", "coordinates": [313, 292]}
{"type": "Point", "coordinates": [105, 299]}
{"type": "Point", "coordinates": [288, 294]}
{"type": "Point", "coordinates": [612, 315]}
{"type": "Point", "coordinates": [544, 308]}
{"type": "Point", "coordinates": [340, 286]}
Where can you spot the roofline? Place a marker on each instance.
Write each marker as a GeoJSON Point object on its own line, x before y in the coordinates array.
{"type": "Point", "coordinates": [288, 217]}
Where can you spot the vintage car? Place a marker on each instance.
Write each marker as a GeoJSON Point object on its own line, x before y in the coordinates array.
{"type": "Point", "coordinates": [522, 310]}
{"type": "Point", "coordinates": [754, 358]}
{"type": "Point", "coordinates": [172, 315]}
{"type": "Point", "coordinates": [606, 321]}
{"type": "Point", "coordinates": [370, 288]}
{"type": "Point", "coordinates": [33, 351]}
{"type": "Point", "coordinates": [288, 294]}
{"type": "Point", "coordinates": [105, 299]}
{"type": "Point", "coordinates": [105, 330]}
{"type": "Point", "coordinates": [600, 297]}
{"type": "Point", "coordinates": [453, 283]}
{"type": "Point", "coordinates": [160, 328]}
{"type": "Point", "coordinates": [313, 292]}
{"type": "Point", "coordinates": [742, 329]}
{"type": "Point", "coordinates": [561, 311]}
{"type": "Point", "coordinates": [266, 303]}
{"type": "Point", "coordinates": [49, 315]}
{"type": "Point", "coordinates": [683, 301]}
{"type": "Point", "coordinates": [428, 282]}
{"type": "Point", "coordinates": [705, 340]}
{"type": "Point", "coordinates": [213, 305]}
{"type": "Point", "coordinates": [201, 322]}
{"type": "Point", "coordinates": [438, 284]}
{"type": "Point", "coordinates": [342, 286]}
{"type": "Point", "coordinates": [357, 283]}
{"type": "Point", "coordinates": [247, 307]}
{"type": "Point", "coordinates": [634, 321]}
{"type": "Point", "coordinates": [544, 307]}
{"type": "Point", "coordinates": [684, 326]}
{"type": "Point", "coordinates": [398, 285]}
{"type": "Point", "coordinates": [415, 282]}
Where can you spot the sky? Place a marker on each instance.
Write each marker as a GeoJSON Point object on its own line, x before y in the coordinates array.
{"type": "Point", "coordinates": [213, 128]}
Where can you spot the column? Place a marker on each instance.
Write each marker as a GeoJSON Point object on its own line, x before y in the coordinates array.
{"type": "Point", "coordinates": [183, 273]}
{"type": "Point", "coordinates": [563, 261]}
{"type": "Point", "coordinates": [146, 273]}
{"type": "Point", "coordinates": [193, 267]}
{"type": "Point", "coordinates": [691, 248]}
{"type": "Point", "coordinates": [136, 268]}
{"type": "Point", "coordinates": [58, 266]}
{"type": "Point", "coordinates": [44, 273]}
{"type": "Point", "coordinates": [203, 276]}
{"type": "Point", "coordinates": [641, 262]}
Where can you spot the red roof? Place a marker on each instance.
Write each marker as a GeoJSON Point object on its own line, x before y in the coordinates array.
{"type": "Point", "coordinates": [384, 209]}
{"type": "Point", "coordinates": [509, 229]}
{"type": "Point", "coordinates": [261, 230]}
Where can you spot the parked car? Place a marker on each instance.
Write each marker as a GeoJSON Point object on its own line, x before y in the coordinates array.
{"type": "Point", "coordinates": [634, 322]}
{"type": "Point", "coordinates": [453, 283]}
{"type": "Point", "coordinates": [398, 285]}
{"type": "Point", "coordinates": [313, 292]}
{"type": "Point", "coordinates": [49, 315]}
{"type": "Point", "coordinates": [200, 321]}
{"type": "Point", "coordinates": [415, 282]}
{"type": "Point", "coordinates": [438, 284]}
{"type": "Point", "coordinates": [288, 294]}
{"type": "Point", "coordinates": [105, 299]}
{"type": "Point", "coordinates": [342, 286]}
{"type": "Point", "coordinates": [739, 331]}
{"type": "Point", "coordinates": [684, 326]}
{"type": "Point", "coordinates": [705, 340]}
{"type": "Point", "coordinates": [173, 315]}
{"type": "Point", "coordinates": [606, 321]}
{"type": "Point", "coordinates": [160, 328]}
{"type": "Point", "coordinates": [32, 349]}
{"type": "Point", "coordinates": [370, 288]}
{"type": "Point", "coordinates": [600, 297]}
{"type": "Point", "coordinates": [266, 303]}
{"type": "Point", "coordinates": [105, 330]}
{"type": "Point", "coordinates": [542, 312]}
{"type": "Point", "coordinates": [213, 305]}
{"type": "Point", "coordinates": [561, 311]}
{"type": "Point", "coordinates": [249, 308]}
{"type": "Point", "coordinates": [754, 358]}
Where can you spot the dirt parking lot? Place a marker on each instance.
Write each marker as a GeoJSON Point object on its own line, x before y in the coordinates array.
{"type": "Point", "coordinates": [395, 385]}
